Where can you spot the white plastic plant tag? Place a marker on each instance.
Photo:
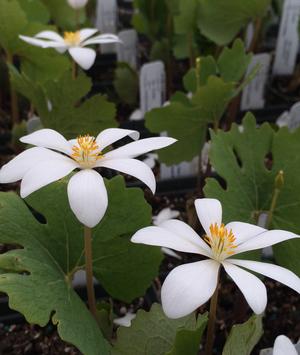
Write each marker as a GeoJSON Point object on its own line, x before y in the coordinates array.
{"type": "Point", "coordinates": [106, 21]}
{"type": "Point", "coordinates": [185, 169]}
{"type": "Point", "coordinates": [262, 222]}
{"type": "Point", "coordinates": [152, 86]}
{"type": "Point", "coordinates": [288, 39]}
{"type": "Point", "coordinates": [254, 92]}
{"type": "Point", "coordinates": [127, 50]}
{"type": "Point", "coordinates": [294, 121]}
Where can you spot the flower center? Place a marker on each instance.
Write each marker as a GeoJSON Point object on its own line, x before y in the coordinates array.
{"type": "Point", "coordinates": [221, 241]}
{"type": "Point", "coordinates": [86, 152]}
{"type": "Point", "coordinates": [72, 38]}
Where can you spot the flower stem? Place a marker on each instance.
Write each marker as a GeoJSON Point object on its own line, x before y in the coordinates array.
{"type": "Point", "coordinates": [89, 270]}
{"type": "Point", "coordinates": [74, 70]}
{"type": "Point", "coordinates": [211, 323]}
{"type": "Point", "coordinates": [279, 181]}
{"type": "Point", "coordinates": [13, 94]}
{"type": "Point", "coordinates": [257, 30]}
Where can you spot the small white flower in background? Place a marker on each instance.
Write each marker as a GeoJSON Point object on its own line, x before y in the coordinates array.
{"type": "Point", "coordinates": [74, 43]}
{"type": "Point", "coordinates": [54, 158]}
{"type": "Point", "coordinates": [136, 115]}
{"type": "Point", "coordinates": [77, 4]}
{"type": "Point", "coordinates": [189, 286]}
{"type": "Point", "coordinates": [282, 346]}
{"type": "Point", "coordinates": [164, 215]}
{"type": "Point", "coordinates": [126, 320]}
{"type": "Point", "coordinates": [151, 159]}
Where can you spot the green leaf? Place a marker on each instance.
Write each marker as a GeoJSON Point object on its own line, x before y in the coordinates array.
{"type": "Point", "coordinates": [221, 20]}
{"type": "Point", "coordinates": [183, 123]}
{"type": "Point", "coordinates": [39, 287]}
{"type": "Point", "coordinates": [64, 16]}
{"type": "Point", "coordinates": [53, 252]}
{"type": "Point", "coordinates": [243, 337]}
{"type": "Point", "coordinates": [233, 62]}
{"type": "Point", "coordinates": [35, 11]}
{"type": "Point", "coordinates": [153, 333]}
{"type": "Point", "coordinates": [240, 159]}
{"type": "Point", "coordinates": [126, 83]}
{"type": "Point", "coordinates": [12, 22]}
{"type": "Point", "coordinates": [59, 107]}
{"type": "Point", "coordinates": [186, 19]}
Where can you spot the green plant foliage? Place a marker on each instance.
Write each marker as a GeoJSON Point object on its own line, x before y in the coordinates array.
{"type": "Point", "coordinates": [243, 337]}
{"type": "Point", "coordinates": [64, 16]}
{"type": "Point", "coordinates": [214, 83]}
{"type": "Point", "coordinates": [221, 20]}
{"type": "Point", "coordinates": [36, 283]}
{"type": "Point", "coordinates": [53, 252]}
{"type": "Point", "coordinates": [153, 333]}
{"type": "Point", "coordinates": [150, 18]}
{"type": "Point", "coordinates": [12, 21]}
{"type": "Point", "coordinates": [35, 11]}
{"type": "Point", "coordinates": [59, 107]}
{"type": "Point", "coordinates": [240, 158]}
{"type": "Point", "coordinates": [126, 84]}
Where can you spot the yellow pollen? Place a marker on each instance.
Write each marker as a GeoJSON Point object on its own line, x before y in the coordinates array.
{"type": "Point", "coordinates": [221, 241]}
{"type": "Point", "coordinates": [72, 38]}
{"type": "Point", "coordinates": [86, 152]}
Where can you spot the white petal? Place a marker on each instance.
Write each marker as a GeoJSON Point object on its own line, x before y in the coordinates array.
{"type": "Point", "coordinates": [126, 320]}
{"type": "Point", "coordinates": [88, 197]}
{"type": "Point", "coordinates": [252, 288]}
{"type": "Point", "coordinates": [161, 237]}
{"type": "Point", "coordinates": [189, 286]}
{"type": "Point", "coordinates": [77, 4]}
{"type": "Point", "coordinates": [140, 147]}
{"type": "Point", "coordinates": [184, 231]}
{"type": "Point", "coordinates": [131, 167]}
{"type": "Point", "coordinates": [18, 167]}
{"type": "Point", "coordinates": [112, 135]}
{"type": "Point", "coordinates": [265, 240]}
{"type": "Point", "coordinates": [244, 231]}
{"type": "Point", "coordinates": [48, 138]}
{"type": "Point", "coordinates": [209, 211]}
{"type": "Point", "coordinates": [50, 35]}
{"type": "Point", "coordinates": [84, 57]}
{"type": "Point", "coordinates": [86, 33]}
{"type": "Point", "coordinates": [102, 39]}
{"type": "Point", "coordinates": [41, 43]}
{"type": "Point", "coordinates": [283, 346]}
{"type": "Point", "coordinates": [45, 173]}
{"type": "Point", "coordinates": [171, 253]}
{"type": "Point", "coordinates": [275, 272]}
{"type": "Point", "coordinates": [164, 215]}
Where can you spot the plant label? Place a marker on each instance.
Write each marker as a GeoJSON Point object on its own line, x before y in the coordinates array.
{"type": "Point", "coordinates": [127, 50]}
{"type": "Point", "coordinates": [185, 169]}
{"type": "Point", "coordinates": [294, 119]}
{"type": "Point", "coordinates": [106, 21]}
{"type": "Point", "coordinates": [254, 93]}
{"type": "Point", "coordinates": [288, 39]}
{"type": "Point", "coordinates": [152, 86]}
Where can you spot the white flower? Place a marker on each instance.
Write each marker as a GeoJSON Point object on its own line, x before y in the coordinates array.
{"type": "Point", "coordinates": [164, 215]}
{"type": "Point", "coordinates": [282, 346]}
{"type": "Point", "coordinates": [54, 157]}
{"type": "Point", "coordinates": [126, 320]}
{"type": "Point", "coordinates": [77, 4]}
{"type": "Point", "coordinates": [73, 42]}
{"type": "Point", "coordinates": [189, 286]}
{"type": "Point", "coordinates": [150, 160]}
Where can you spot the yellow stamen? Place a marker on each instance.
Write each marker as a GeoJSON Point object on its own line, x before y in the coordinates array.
{"type": "Point", "coordinates": [72, 38]}
{"type": "Point", "coordinates": [221, 241]}
{"type": "Point", "coordinates": [86, 152]}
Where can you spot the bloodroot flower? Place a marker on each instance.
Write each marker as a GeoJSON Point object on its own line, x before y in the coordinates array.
{"type": "Point", "coordinates": [74, 43]}
{"type": "Point", "coordinates": [189, 286]}
{"type": "Point", "coordinates": [54, 157]}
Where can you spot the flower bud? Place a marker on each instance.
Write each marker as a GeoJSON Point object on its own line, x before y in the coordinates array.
{"type": "Point", "coordinates": [77, 4]}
